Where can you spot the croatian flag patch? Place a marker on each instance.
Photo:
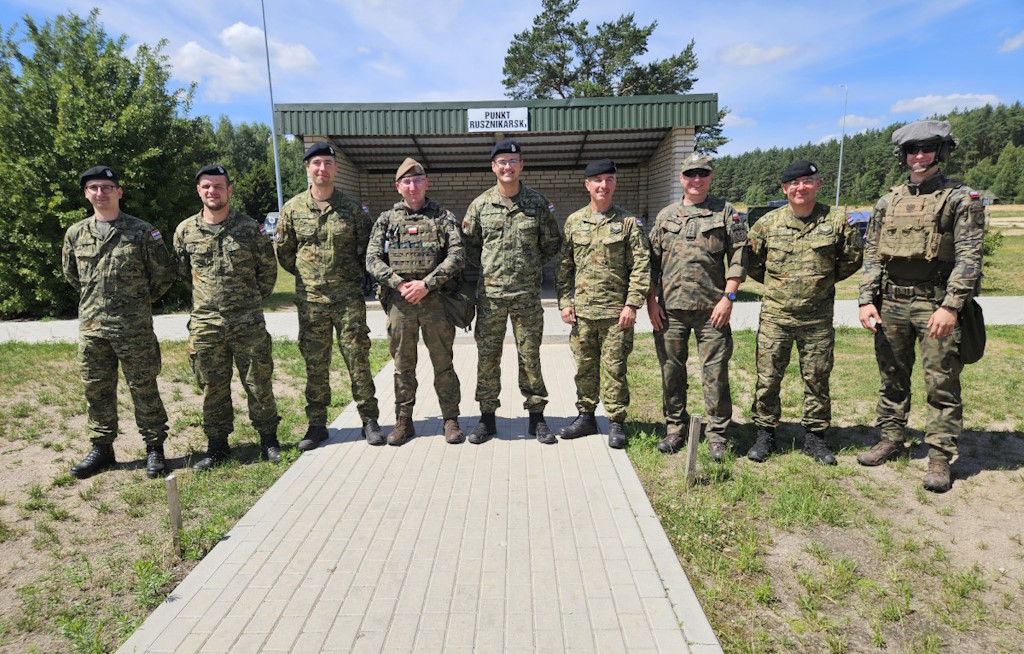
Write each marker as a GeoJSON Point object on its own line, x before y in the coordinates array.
{"type": "Point", "coordinates": [551, 206]}
{"type": "Point", "coordinates": [156, 234]}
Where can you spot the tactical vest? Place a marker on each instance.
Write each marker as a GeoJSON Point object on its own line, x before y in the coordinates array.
{"type": "Point", "coordinates": [910, 227]}
{"type": "Point", "coordinates": [414, 244]}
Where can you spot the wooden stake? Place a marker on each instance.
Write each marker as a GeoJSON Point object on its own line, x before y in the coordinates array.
{"type": "Point", "coordinates": [175, 508]}
{"type": "Point", "coordinates": [691, 450]}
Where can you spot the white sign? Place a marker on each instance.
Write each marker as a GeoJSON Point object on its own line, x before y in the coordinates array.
{"type": "Point", "coordinates": [514, 119]}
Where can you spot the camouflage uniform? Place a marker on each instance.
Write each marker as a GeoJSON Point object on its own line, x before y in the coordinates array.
{"type": "Point", "coordinates": [799, 261]}
{"type": "Point", "coordinates": [605, 266]}
{"type": "Point", "coordinates": [431, 249]}
{"type": "Point", "coordinates": [325, 251]}
{"type": "Point", "coordinates": [694, 249]}
{"type": "Point", "coordinates": [230, 268]}
{"type": "Point", "coordinates": [510, 239]}
{"type": "Point", "coordinates": [118, 277]}
{"type": "Point", "coordinates": [909, 286]}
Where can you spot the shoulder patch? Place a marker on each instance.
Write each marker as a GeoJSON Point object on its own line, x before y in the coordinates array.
{"type": "Point", "coordinates": [551, 206]}
{"type": "Point", "coordinates": [365, 208]}
{"type": "Point", "coordinates": [155, 234]}
{"type": "Point", "coordinates": [975, 195]}
{"type": "Point", "coordinates": [640, 222]}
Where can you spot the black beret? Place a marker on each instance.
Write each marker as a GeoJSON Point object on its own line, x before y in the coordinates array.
{"type": "Point", "coordinates": [97, 172]}
{"type": "Point", "coordinates": [506, 146]}
{"type": "Point", "coordinates": [212, 169]}
{"type": "Point", "coordinates": [599, 167]}
{"type": "Point", "coordinates": [319, 149]}
{"type": "Point", "coordinates": [798, 169]}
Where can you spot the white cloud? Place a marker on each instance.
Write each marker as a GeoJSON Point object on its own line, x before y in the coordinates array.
{"type": "Point", "coordinates": [828, 137]}
{"type": "Point", "coordinates": [733, 119]}
{"type": "Point", "coordinates": [939, 104]}
{"type": "Point", "coordinates": [750, 54]}
{"type": "Point", "coordinates": [1012, 43]}
{"type": "Point", "coordinates": [387, 68]}
{"type": "Point", "coordinates": [854, 121]}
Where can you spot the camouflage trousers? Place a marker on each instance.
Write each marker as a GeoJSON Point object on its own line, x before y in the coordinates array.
{"type": "Point", "coordinates": [405, 322]}
{"type": "Point", "coordinates": [318, 324]}
{"type": "Point", "coordinates": [904, 321]}
{"type": "Point", "coordinates": [212, 351]}
{"type": "Point", "coordinates": [814, 346]}
{"type": "Point", "coordinates": [527, 317]}
{"type": "Point", "coordinates": [714, 347]}
{"type": "Point", "coordinates": [601, 349]}
{"type": "Point", "coordinates": [139, 356]}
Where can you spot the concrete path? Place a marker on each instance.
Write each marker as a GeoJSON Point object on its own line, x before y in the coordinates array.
{"type": "Point", "coordinates": [1001, 310]}
{"type": "Point", "coordinates": [509, 546]}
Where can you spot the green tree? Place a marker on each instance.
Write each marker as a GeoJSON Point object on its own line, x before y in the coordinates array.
{"type": "Point", "coordinates": [559, 58]}
{"type": "Point", "coordinates": [71, 98]}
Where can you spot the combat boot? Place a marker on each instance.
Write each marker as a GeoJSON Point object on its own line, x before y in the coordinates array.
{"type": "Point", "coordinates": [402, 431]}
{"type": "Point", "coordinates": [718, 450]}
{"type": "Point", "coordinates": [373, 433]}
{"type": "Point", "coordinates": [452, 431]}
{"type": "Point", "coordinates": [937, 479]}
{"type": "Point", "coordinates": [540, 429]}
{"type": "Point", "coordinates": [217, 451]}
{"type": "Point", "coordinates": [484, 429]}
{"type": "Point", "coordinates": [99, 458]}
{"type": "Point", "coordinates": [270, 449]}
{"type": "Point", "coordinates": [583, 425]}
{"type": "Point", "coordinates": [155, 461]}
{"type": "Point", "coordinates": [672, 443]}
{"type": "Point", "coordinates": [314, 436]}
{"type": "Point", "coordinates": [882, 451]}
{"type": "Point", "coordinates": [616, 436]}
{"type": "Point", "coordinates": [815, 447]}
{"type": "Point", "coordinates": [763, 446]}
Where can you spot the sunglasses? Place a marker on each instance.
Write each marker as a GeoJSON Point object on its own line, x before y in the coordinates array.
{"type": "Point", "coordinates": [927, 148]}
{"type": "Point", "coordinates": [699, 172]}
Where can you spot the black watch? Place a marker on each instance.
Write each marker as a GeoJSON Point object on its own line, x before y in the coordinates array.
{"type": "Point", "coordinates": [730, 296]}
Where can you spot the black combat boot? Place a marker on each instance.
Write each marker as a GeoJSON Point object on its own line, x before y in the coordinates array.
{"type": "Point", "coordinates": [672, 443]}
{"type": "Point", "coordinates": [616, 436]}
{"type": "Point", "coordinates": [217, 451]}
{"type": "Point", "coordinates": [155, 461]}
{"type": "Point", "coordinates": [763, 446]}
{"type": "Point", "coordinates": [99, 458]}
{"type": "Point", "coordinates": [718, 450]}
{"type": "Point", "coordinates": [583, 425]}
{"type": "Point", "coordinates": [373, 433]}
{"type": "Point", "coordinates": [483, 430]}
{"type": "Point", "coordinates": [270, 449]}
{"type": "Point", "coordinates": [815, 447]}
{"type": "Point", "coordinates": [314, 436]}
{"type": "Point", "coordinates": [540, 429]}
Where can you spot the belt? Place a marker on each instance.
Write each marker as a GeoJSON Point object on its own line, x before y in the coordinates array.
{"type": "Point", "coordinates": [928, 290]}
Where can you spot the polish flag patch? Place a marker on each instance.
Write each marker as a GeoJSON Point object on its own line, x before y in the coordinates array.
{"type": "Point", "coordinates": [414, 230]}
{"type": "Point", "coordinates": [975, 195]}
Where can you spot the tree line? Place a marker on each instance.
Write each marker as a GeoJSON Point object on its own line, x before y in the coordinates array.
{"type": "Point", "coordinates": [989, 157]}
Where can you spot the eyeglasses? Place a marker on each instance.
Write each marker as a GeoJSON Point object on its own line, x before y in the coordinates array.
{"type": "Point", "coordinates": [101, 189]}
{"type": "Point", "coordinates": [699, 172]}
{"type": "Point", "coordinates": [412, 181]}
{"type": "Point", "coordinates": [507, 163]}
{"type": "Point", "coordinates": [915, 148]}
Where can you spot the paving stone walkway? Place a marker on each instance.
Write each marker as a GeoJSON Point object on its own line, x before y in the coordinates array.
{"type": "Point", "coordinates": [509, 546]}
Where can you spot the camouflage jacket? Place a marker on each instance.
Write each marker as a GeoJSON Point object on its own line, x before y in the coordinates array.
{"type": "Point", "coordinates": [606, 263]}
{"type": "Point", "coordinates": [694, 249]}
{"type": "Point", "coordinates": [510, 243]}
{"type": "Point", "coordinates": [325, 251]}
{"type": "Point", "coordinates": [962, 214]}
{"type": "Point", "coordinates": [117, 277]}
{"type": "Point", "coordinates": [229, 270]}
{"type": "Point", "coordinates": [800, 261]}
{"type": "Point", "coordinates": [451, 254]}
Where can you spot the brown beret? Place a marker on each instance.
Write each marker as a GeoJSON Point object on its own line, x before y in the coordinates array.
{"type": "Point", "coordinates": [409, 167]}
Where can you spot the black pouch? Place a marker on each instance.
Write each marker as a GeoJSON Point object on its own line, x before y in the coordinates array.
{"type": "Point", "coordinates": [972, 332]}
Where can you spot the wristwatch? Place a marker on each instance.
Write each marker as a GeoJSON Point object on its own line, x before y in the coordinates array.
{"type": "Point", "coordinates": [730, 296]}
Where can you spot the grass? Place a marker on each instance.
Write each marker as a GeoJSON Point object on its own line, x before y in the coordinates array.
{"type": "Point", "coordinates": [794, 556]}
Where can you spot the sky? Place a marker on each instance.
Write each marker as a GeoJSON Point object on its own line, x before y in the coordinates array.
{"type": "Point", "coordinates": [784, 69]}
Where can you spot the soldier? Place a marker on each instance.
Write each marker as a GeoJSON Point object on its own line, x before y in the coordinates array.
{"type": "Point", "coordinates": [119, 265]}
{"type": "Point", "coordinates": [698, 261]}
{"type": "Point", "coordinates": [416, 254]}
{"type": "Point", "coordinates": [228, 262]}
{"type": "Point", "coordinates": [799, 252]}
{"type": "Point", "coordinates": [603, 277]}
{"type": "Point", "coordinates": [321, 239]}
{"type": "Point", "coordinates": [922, 263]}
{"type": "Point", "coordinates": [511, 233]}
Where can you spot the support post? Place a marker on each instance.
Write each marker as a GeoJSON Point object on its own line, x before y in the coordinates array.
{"type": "Point", "coordinates": [691, 450]}
{"type": "Point", "coordinates": [175, 510]}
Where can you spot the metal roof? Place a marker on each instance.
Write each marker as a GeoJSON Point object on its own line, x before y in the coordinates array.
{"type": "Point", "coordinates": [563, 133]}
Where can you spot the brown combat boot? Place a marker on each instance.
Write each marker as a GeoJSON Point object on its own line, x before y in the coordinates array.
{"type": "Point", "coordinates": [452, 432]}
{"type": "Point", "coordinates": [937, 479]}
{"type": "Point", "coordinates": [402, 432]}
{"type": "Point", "coordinates": [882, 451]}
{"type": "Point", "coordinates": [672, 443]}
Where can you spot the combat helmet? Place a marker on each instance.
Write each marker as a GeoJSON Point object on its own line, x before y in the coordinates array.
{"type": "Point", "coordinates": [924, 131]}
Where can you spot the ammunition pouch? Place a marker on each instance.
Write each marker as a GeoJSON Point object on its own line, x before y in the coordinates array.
{"type": "Point", "coordinates": [972, 332]}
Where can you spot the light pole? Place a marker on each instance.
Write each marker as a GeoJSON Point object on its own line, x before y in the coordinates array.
{"type": "Point", "coordinates": [842, 140]}
{"type": "Point", "coordinates": [273, 130]}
